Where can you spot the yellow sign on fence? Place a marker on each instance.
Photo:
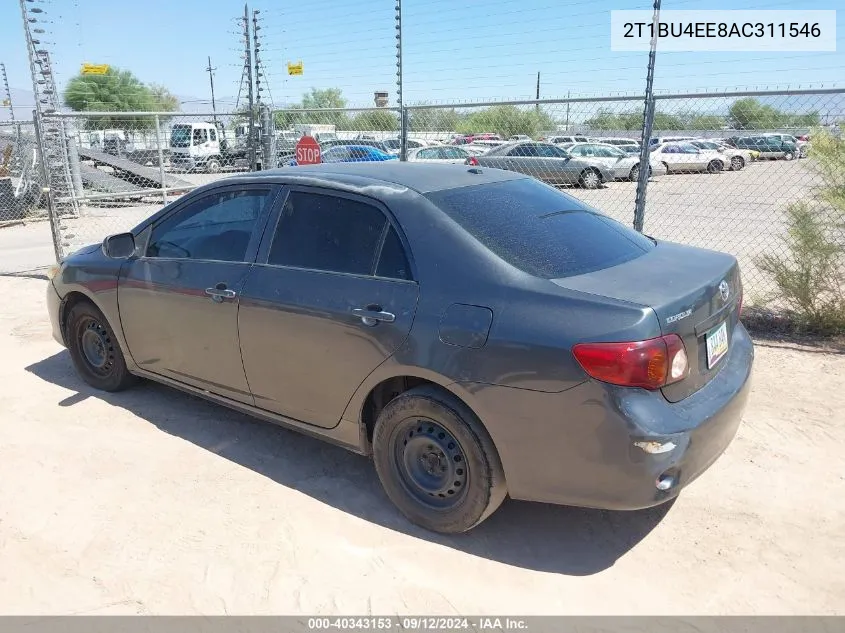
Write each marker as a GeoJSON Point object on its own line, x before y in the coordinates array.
{"type": "Point", "coordinates": [295, 69]}
{"type": "Point", "coordinates": [95, 69]}
{"type": "Point", "coordinates": [6, 103]}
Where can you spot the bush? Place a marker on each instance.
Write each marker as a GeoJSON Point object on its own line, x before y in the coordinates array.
{"type": "Point", "coordinates": [810, 277]}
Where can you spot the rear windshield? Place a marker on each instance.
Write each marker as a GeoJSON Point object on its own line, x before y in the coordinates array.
{"type": "Point", "coordinates": [539, 229]}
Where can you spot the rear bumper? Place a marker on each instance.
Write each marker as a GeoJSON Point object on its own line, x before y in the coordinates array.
{"type": "Point", "coordinates": [578, 447]}
{"type": "Point", "coordinates": [54, 309]}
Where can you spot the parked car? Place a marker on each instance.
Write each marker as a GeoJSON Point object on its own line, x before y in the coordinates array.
{"type": "Point", "coordinates": [446, 154]}
{"type": "Point", "coordinates": [621, 165]}
{"type": "Point", "coordinates": [735, 159]}
{"type": "Point", "coordinates": [612, 140]}
{"type": "Point", "coordinates": [684, 157]}
{"type": "Point", "coordinates": [393, 145]}
{"type": "Point", "coordinates": [766, 146]}
{"type": "Point", "coordinates": [545, 162]}
{"type": "Point", "coordinates": [352, 154]}
{"type": "Point", "coordinates": [565, 139]}
{"type": "Point", "coordinates": [531, 347]}
{"type": "Point", "coordinates": [660, 140]}
{"type": "Point", "coordinates": [520, 137]}
{"type": "Point", "coordinates": [338, 142]}
{"type": "Point", "coordinates": [801, 144]}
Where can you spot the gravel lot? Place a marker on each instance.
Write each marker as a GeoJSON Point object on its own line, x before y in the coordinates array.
{"type": "Point", "coordinates": [150, 501]}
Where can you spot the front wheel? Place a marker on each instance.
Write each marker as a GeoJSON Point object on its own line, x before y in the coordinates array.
{"type": "Point", "coordinates": [590, 179]}
{"type": "Point", "coordinates": [715, 166]}
{"type": "Point", "coordinates": [94, 349]}
{"type": "Point", "coordinates": [437, 462]}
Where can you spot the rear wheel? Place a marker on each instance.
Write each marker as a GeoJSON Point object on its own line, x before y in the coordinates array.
{"type": "Point", "coordinates": [737, 163]}
{"type": "Point", "coordinates": [94, 349]}
{"type": "Point", "coordinates": [666, 166]}
{"type": "Point", "coordinates": [437, 462]}
{"type": "Point", "coordinates": [213, 166]}
{"type": "Point", "coordinates": [590, 179]}
{"type": "Point", "coordinates": [715, 166]}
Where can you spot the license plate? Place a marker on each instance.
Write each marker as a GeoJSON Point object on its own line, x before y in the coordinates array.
{"type": "Point", "coordinates": [717, 344]}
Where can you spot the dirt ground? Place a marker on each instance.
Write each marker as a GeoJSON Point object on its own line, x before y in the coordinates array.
{"type": "Point", "coordinates": [150, 501]}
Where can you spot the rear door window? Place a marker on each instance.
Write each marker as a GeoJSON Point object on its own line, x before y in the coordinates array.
{"type": "Point", "coordinates": [539, 229]}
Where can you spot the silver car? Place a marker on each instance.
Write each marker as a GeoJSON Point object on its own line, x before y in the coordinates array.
{"type": "Point", "coordinates": [443, 155]}
{"type": "Point", "coordinates": [546, 162]}
{"type": "Point", "coordinates": [622, 165]}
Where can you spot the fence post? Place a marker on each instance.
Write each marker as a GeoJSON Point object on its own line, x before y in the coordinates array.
{"type": "Point", "coordinates": [404, 115]}
{"type": "Point", "coordinates": [45, 188]}
{"type": "Point", "coordinates": [161, 172]}
{"type": "Point", "coordinates": [648, 122]}
{"type": "Point", "coordinates": [75, 170]}
{"type": "Point", "coordinates": [267, 138]}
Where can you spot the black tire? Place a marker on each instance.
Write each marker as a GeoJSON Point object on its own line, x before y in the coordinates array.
{"type": "Point", "coordinates": [715, 166]}
{"type": "Point", "coordinates": [590, 179]}
{"type": "Point", "coordinates": [737, 163]}
{"type": "Point", "coordinates": [463, 482]}
{"type": "Point", "coordinates": [635, 173]}
{"type": "Point", "coordinates": [788, 156]}
{"type": "Point", "coordinates": [88, 334]}
{"type": "Point", "coordinates": [666, 165]}
{"type": "Point", "coordinates": [213, 166]}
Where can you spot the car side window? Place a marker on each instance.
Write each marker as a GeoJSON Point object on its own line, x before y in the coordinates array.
{"type": "Point", "coordinates": [330, 233]}
{"type": "Point", "coordinates": [523, 150]}
{"type": "Point", "coordinates": [215, 227]}
{"type": "Point", "coordinates": [549, 151]}
{"type": "Point", "coordinates": [393, 263]}
{"type": "Point", "coordinates": [428, 153]}
{"type": "Point", "coordinates": [200, 137]}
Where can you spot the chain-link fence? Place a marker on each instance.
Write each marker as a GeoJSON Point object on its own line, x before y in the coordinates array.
{"type": "Point", "coordinates": [20, 176]}
{"type": "Point", "coordinates": [723, 169]}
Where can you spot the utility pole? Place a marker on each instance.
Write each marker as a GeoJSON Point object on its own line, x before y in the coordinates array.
{"type": "Point", "coordinates": [210, 71]}
{"type": "Point", "coordinates": [8, 92]}
{"type": "Point", "coordinates": [250, 95]}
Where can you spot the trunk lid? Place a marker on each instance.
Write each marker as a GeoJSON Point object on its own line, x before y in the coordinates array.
{"type": "Point", "coordinates": [683, 285]}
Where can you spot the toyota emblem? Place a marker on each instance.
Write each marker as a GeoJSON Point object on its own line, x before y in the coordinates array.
{"type": "Point", "coordinates": [724, 290]}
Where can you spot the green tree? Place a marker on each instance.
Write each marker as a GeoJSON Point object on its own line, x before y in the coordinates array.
{"type": "Point", "coordinates": [117, 91]}
{"type": "Point", "coordinates": [376, 120]}
{"type": "Point", "coordinates": [809, 272]}
{"type": "Point", "coordinates": [435, 120]}
{"type": "Point", "coordinates": [326, 98]}
{"type": "Point", "coordinates": [315, 99]}
{"type": "Point", "coordinates": [606, 120]}
{"type": "Point", "coordinates": [507, 120]}
{"type": "Point", "coordinates": [750, 114]}
{"type": "Point", "coordinates": [706, 122]}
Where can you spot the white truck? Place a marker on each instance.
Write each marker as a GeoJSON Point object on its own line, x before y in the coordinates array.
{"type": "Point", "coordinates": [206, 146]}
{"type": "Point", "coordinates": [319, 131]}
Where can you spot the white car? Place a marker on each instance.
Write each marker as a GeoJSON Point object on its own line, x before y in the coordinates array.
{"type": "Point", "coordinates": [621, 165]}
{"type": "Point", "coordinates": [443, 155]}
{"type": "Point", "coordinates": [736, 159]}
{"type": "Point", "coordinates": [685, 157]}
{"type": "Point", "coordinates": [393, 145]}
{"type": "Point", "coordinates": [557, 140]}
{"type": "Point", "coordinates": [520, 137]}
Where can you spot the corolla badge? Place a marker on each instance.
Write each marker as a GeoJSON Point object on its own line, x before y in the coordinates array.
{"type": "Point", "coordinates": [724, 290]}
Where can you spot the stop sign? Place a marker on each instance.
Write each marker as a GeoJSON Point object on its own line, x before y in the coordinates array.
{"type": "Point", "coordinates": [307, 151]}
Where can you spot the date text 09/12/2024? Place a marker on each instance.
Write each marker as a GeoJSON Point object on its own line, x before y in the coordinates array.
{"type": "Point", "coordinates": [420, 623]}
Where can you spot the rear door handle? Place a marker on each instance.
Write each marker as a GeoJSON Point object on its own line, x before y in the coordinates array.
{"type": "Point", "coordinates": [372, 315]}
{"type": "Point", "coordinates": [218, 294]}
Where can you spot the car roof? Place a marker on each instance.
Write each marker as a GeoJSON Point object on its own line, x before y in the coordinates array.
{"type": "Point", "coordinates": [397, 175]}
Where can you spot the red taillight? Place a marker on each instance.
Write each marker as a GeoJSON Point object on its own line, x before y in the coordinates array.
{"type": "Point", "coordinates": [650, 364]}
{"type": "Point", "coordinates": [472, 161]}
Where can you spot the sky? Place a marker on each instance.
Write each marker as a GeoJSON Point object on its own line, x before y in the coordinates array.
{"type": "Point", "coordinates": [453, 50]}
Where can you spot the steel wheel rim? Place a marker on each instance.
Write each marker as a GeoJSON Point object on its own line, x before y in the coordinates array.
{"type": "Point", "coordinates": [431, 464]}
{"type": "Point", "coordinates": [591, 179]}
{"type": "Point", "coordinates": [737, 163]}
{"type": "Point", "coordinates": [96, 347]}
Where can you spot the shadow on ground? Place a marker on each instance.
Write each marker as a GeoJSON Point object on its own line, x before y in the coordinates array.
{"type": "Point", "coordinates": [536, 536]}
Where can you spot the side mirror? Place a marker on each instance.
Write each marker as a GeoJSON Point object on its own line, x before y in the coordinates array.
{"type": "Point", "coordinates": [120, 246]}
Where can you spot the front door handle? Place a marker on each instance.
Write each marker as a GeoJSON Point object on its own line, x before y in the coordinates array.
{"type": "Point", "coordinates": [220, 292]}
{"type": "Point", "coordinates": [372, 315]}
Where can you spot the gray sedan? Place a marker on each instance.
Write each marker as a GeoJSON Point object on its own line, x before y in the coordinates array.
{"type": "Point", "coordinates": [546, 162]}
{"type": "Point", "coordinates": [478, 333]}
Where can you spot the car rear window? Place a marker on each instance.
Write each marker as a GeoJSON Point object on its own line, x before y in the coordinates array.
{"type": "Point", "coordinates": [539, 229]}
